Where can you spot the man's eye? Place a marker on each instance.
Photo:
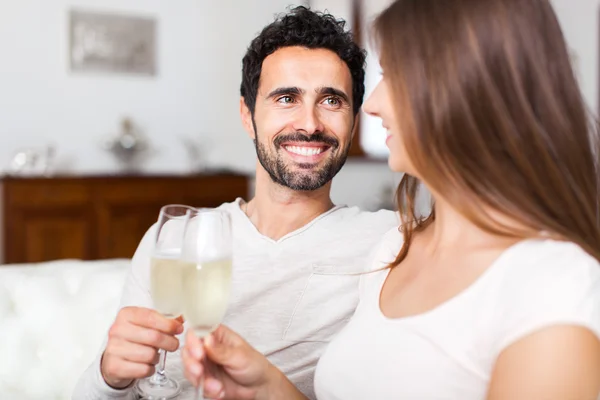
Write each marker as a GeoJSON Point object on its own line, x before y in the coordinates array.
{"type": "Point", "coordinates": [332, 101]}
{"type": "Point", "coordinates": [285, 99]}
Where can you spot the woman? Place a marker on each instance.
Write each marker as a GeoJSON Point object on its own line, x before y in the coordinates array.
{"type": "Point", "coordinates": [496, 293]}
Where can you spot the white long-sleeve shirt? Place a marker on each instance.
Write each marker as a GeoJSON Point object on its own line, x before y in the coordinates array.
{"type": "Point", "coordinates": [288, 298]}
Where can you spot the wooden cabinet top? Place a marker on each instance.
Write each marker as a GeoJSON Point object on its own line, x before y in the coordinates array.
{"type": "Point", "coordinates": [123, 177]}
{"type": "Point", "coordinates": [100, 216]}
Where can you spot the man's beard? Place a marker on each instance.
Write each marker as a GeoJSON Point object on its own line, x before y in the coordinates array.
{"type": "Point", "coordinates": [304, 177]}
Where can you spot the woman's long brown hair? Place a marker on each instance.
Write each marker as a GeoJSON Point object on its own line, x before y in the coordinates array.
{"type": "Point", "coordinates": [492, 117]}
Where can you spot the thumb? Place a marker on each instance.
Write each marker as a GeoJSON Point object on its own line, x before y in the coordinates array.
{"type": "Point", "coordinates": [224, 353]}
{"type": "Point", "coordinates": [217, 351]}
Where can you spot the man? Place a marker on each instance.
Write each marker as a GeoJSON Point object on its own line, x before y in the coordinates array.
{"type": "Point", "coordinates": [295, 252]}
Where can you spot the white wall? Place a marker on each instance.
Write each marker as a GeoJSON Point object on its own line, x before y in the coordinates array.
{"type": "Point", "coordinates": [579, 21]}
{"type": "Point", "coordinates": [196, 91]}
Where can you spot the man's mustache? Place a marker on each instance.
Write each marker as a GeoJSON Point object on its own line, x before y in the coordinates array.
{"type": "Point", "coordinates": [318, 137]}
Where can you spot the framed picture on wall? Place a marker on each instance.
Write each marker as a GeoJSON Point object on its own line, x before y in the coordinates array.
{"type": "Point", "coordinates": [112, 43]}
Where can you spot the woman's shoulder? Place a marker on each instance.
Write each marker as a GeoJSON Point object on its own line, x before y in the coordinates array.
{"type": "Point", "coordinates": [547, 260]}
{"type": "Point", "coordinates": [541, 283]}
{"type": "Point", "coordinates": [387, 249]}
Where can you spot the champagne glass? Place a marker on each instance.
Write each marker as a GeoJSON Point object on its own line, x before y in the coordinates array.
{"type": "Point", "coordinates": [165, 288]}
{"type": "Point", "coordinates": [206, 255]}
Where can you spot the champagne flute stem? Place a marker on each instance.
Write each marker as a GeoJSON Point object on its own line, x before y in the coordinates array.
{"type": "Point", "coordinates": [159, 376]}
{"type": "Point", "coordinates": [162, 362]}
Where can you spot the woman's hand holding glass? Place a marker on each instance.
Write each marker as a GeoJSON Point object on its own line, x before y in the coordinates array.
{"type": "Point", "coordinates": [232, 369]}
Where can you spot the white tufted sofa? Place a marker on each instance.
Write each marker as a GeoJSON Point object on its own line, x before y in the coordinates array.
{"type": "Point", "coordinates": [53, 318]}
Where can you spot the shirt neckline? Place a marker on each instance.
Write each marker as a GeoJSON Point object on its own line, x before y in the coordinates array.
{"type": "Point", "coordinates": [485, 276]}
{"type": "Point", "coordinates": [237, 207]}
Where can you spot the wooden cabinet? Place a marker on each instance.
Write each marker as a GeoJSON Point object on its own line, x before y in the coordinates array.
{"type": "Point", "coordinates": [97, 217]}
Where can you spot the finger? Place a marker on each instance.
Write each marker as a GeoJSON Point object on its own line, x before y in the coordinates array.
{"type": "Point", "coordinates": [152, 319]}
{"type": "Point", "coordinates": [123, 369]}
{"type": "Point", "coordinates": [226, 336]}
{"type": "Point", "coordinates": [224, 354]}
{"type": "Point", "coordinates": [190, 360]}
{"type": "Point", "coordinates": [180, 319]}
{"type": "Point", "coordinates": [194, 372]}
{"type": "Point", "coordinates": [133, 352]}
{"type": "Point", "coordinates": [192, 368]}
{"type": "Point", "coordinates": [144, 336]}
{"type": "Point", "coordinates": [195, 354]}
{"type": "Point", "coordinates": [194, 345]}
{"type": "Point", "coordinates": [213, 376]}
{"type": "Point", "coordinates": [213, 388]}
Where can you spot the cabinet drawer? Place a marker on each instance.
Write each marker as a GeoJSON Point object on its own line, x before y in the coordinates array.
{"type": "Point", "coordinates": [43, 192]}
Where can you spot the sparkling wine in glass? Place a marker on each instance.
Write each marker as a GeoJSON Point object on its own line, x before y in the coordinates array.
{"type": "Point", "coordinates": [166, 278]}
{"type": "Point", "coordinates": [206, 255]}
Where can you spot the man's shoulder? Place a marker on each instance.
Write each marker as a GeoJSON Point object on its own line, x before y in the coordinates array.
{"type": "Point", "coordinates": [380, 221]}
{"type": "Point", "coordinates": [230, 206]}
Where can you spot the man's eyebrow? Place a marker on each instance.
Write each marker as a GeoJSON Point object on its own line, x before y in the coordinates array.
{"type": "Point", "coordinates": [285, 90]}
{"type": "Point", "coordinates": [334, 92]}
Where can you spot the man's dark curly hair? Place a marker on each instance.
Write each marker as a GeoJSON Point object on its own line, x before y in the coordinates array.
{"type": "Point", "coordinates": [310, 29]}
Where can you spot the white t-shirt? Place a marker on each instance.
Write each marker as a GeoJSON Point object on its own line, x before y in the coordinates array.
{"type": "Point", "coordinates": [288, 297]}
{"type": "Point", "coordinates": [448, 353]}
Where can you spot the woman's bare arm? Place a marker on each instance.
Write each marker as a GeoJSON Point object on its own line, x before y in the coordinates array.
{"type": "Point", "coordinates": [555, 363]}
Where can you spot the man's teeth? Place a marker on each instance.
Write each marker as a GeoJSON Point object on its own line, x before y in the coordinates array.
{"type": "Point", "coordinates": [304, 151]}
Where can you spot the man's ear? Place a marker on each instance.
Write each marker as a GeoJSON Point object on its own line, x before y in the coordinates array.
{"type": "Point", "coordinates": [246, 116]}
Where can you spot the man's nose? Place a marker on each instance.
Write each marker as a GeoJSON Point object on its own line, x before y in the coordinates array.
{"type": "Point", "coordinates": [309, 122]}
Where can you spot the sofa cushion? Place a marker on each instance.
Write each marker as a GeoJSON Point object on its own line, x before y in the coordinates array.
{"type": "Point", "coordinates": [53, 319]}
